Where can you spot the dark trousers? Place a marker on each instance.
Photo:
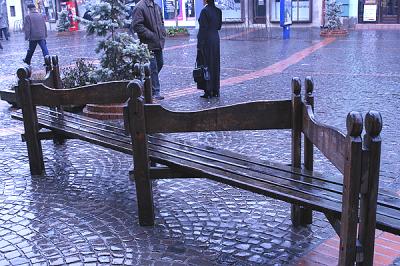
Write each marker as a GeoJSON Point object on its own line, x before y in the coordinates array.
{"type": "Point", "coordinates": [32, 47]}
{"type": "Point", "coordinates": [156, 64]}
{"type": "Point", "coordinates": [5, 32]}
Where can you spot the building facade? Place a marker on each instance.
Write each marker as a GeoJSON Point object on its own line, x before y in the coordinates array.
{"type": "Point", "coordinates": [304, 12]}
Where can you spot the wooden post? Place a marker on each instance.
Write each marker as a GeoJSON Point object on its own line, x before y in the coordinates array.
{"type": "Point", "coordinates": [57, 84]}
{"type": "Point", "coordinates": [137, 128]}
{"type": "Point", "coordinates": [296, 211]}
{"type": "Point", "coordinates": [351, 190]}
{"type": "Point", "coordinates": [147, 84]}
{"type": "Point", "coordinates": [47, 63]}
{"type": "Point", "coordinates": [56, 73]}
{"type": "Point", "coordinates": [308, 145]}
{"type": "Point", "coordinates": [369, 188]}
{"type": "Point", "coordinates": [33, 144]}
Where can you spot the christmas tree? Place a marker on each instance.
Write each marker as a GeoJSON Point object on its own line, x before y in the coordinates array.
{"type": "Point", "coordinates": [63, 22]}
{"type": "Point", "coordinates": [334, 9]}
{"type": "Point", "coordinates": [119, 50]}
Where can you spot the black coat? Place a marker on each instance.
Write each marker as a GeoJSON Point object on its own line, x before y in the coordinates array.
{"type": "Point", "coordinates": [208, 52]}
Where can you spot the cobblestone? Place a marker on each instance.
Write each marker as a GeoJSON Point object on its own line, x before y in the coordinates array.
{"type": "Point", "coordinates": [83, 211]}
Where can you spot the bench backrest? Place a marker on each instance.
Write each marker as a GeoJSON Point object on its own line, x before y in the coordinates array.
{"type": "Point", "coordinates": [49, 92]}
{"type": "Point", "coordinates": [360, 167]}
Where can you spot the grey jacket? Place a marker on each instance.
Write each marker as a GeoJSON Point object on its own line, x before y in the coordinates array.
{"type": "Point", "coordinates": [3, 15]}
{"type": "Point", "coordinates": [35, 27]}
{"type": "Point", "coordinates": [148, 23]}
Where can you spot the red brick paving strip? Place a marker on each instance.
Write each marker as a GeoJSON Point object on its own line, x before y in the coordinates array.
{"type": "Point", "coordinates": [387, 249]}
{"type": "Point", "coordinates": [267, 71]}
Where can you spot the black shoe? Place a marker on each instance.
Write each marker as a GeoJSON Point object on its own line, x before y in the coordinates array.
{"type": "Point", "coordinates": [206, 96]}
{"type": "Point", "coordinates": [158, 97]}
{"type": "Point", "coordinates": [23, 60]}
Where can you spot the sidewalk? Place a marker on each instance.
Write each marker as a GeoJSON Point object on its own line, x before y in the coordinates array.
{"type": "Point", "coordinates": [83, 211]}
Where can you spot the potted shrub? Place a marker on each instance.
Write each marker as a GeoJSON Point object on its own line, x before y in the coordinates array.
{"type": "Point", "coordinates": [333, 27]}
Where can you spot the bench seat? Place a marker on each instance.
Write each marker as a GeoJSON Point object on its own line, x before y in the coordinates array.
{"type": "Point", "coordinates": [73, 126]}
{"type": "Point", "coordinates": [298, 186]}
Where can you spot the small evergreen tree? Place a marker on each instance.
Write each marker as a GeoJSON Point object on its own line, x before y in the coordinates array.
{"type": "Point", "coordinates": [63, 21]}
{"type": "Point", "coordinates": [333, 11]}
{"type": "Point", "coordinates": [119, 50]}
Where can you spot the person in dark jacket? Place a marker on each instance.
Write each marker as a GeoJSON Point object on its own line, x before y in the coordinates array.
{"type": "Point", "coordinates": [208, 53]}
{"type": "Point", "coordinates": [148, 23]}
{"type": "Point", "coordinates": [35, 32]}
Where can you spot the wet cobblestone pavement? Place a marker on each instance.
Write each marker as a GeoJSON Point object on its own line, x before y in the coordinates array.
{"type": "Point", "coordinates": [83, 211]}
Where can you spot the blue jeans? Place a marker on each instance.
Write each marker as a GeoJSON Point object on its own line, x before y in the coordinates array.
{"type": "Point", "coordinates": [156, 63]}
{"type": "Point", "coordinates": [32, 47]}
{"type": "Point", "coordinates": [5, 32]}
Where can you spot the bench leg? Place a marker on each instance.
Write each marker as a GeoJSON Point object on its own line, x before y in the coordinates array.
{"type": "Point", "coordinates": [35, 154]}
{"type": "Point", "coordinates": [144, 194]}
{"type": "Point", "coordinates": [58, 139]}
{"type": "Point", "coordinates": [300, 215]}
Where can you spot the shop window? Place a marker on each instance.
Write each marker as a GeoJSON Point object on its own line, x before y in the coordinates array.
{"type": "Point", "coordinates": [301, 10]}
{"type": "Point", "coordinates": [231, 9]}
{"type": "Point", "coordinates": [182, 14]}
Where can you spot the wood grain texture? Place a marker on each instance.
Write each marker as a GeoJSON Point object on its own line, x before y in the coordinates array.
{"type": "Point", "coordinates": [368, 202]}
{"type": "Point", "coordinates": [243, 116]}
{"type": "Point", "coordinates": [351, 190]}
{"type": "Point", "coordinates": [137, 128]}
{"type": "Point", "coordinates": [102, 93]}
{"type": "Point", "coordinates": [329, 140]}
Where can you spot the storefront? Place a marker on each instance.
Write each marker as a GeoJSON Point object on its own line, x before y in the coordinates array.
{"type": "Point", "coordinates": [301, 11]}
{"type": "Point", "coordinates": [181, 12]}
{"type": "Point", "coordinates": [187, 11]}
{"type": "Point", "coordinates": [379, 11]}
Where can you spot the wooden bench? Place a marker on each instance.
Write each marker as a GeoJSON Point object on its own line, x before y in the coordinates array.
{"type": "Point", "coordinates": [302, 187]}
{"type": "Point", "coordinates": [349, 203]}
{"type": "Point", "coordinates": [43, 116]}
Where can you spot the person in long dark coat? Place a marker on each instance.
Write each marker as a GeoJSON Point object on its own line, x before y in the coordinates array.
{"type": "Point", "coordinates": [208, 52]}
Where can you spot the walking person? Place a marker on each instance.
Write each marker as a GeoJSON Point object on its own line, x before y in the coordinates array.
{"type": "Point", "coordinates": [35, 32]}
{"type": "Point", "coordinates": [148, 23]}
{"type": "Point", "coordinates": [3, 20]}
{"type": "Point", "coordinates": [208, 50]}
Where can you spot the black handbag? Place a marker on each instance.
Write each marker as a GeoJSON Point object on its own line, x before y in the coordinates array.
{"type": "Point", "coordinates": [201, 73]}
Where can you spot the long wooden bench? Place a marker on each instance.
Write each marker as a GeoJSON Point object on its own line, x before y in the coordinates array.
{"type": "Point", "coordinates": [349, 203]}
{"type": "Point", "coordinates": [302, 187]}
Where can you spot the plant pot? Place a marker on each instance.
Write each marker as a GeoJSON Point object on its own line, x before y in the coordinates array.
{"type": "Point", "coordinates": [63, 33]}
{"type": "Point", "coordinates": [334, 33]}
{"type": "Point", "coordinates": [178, 34]}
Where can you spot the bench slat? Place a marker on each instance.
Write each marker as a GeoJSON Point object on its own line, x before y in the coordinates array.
{"type": "Point", "coordinates": [247, 164]}
{"type": "Point", "coordinates": [71, 130]}
{"type": "Point", "coordinates": [239, 176]}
